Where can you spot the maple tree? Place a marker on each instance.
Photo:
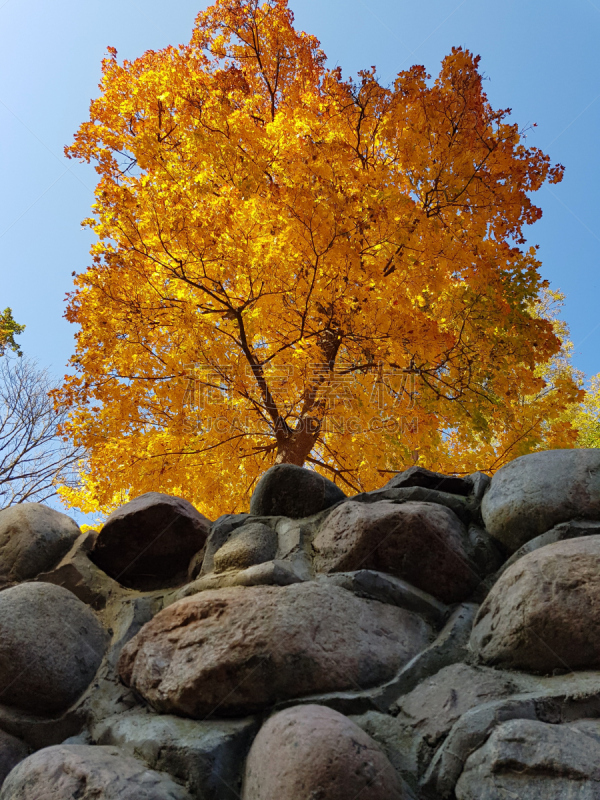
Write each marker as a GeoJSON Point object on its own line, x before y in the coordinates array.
{"type": "Point", "coordinates": [294, 267]}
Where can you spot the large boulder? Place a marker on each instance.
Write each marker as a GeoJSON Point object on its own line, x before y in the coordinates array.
{"type": "Point", "coordinates": [86, 772]}
{"type": "Point", "coordinates": [533, 760]}
{"type": "Point", "coordinates": [290, 491]}
{"type": "Point", "coordinates": [51, 646]}
{"type": "Point", "coordinates": [422, 543]}
{"type": "Point", "coordinates": [542, 614]}
{"type": "Point", "coordinates": [314, 752]}
{"type": "Point", "coordinates": [12, 751]}
{"type": "Point", "coordinates": [235, 651]}
{"type": "Point", "coordinates": [147, 544]}
{"type": "Point", "coordinates": [33, 538]}
{"type": "Point", "coordinates": [535, 492]}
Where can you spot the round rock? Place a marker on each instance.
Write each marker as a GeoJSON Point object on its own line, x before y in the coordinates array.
{"type": "Point", "coordinates": [148, 543]}
{"type": "Point", "coordinates": [315, 752]}
{"type": "Point", "coordinates": [87, 772]}
{"type": "Point", "coordinates": [422, 543]}
{"type": "Point", "coordinates": [535, 492]}
{"type": "Point", "coordinates": [33, 539]}
{"type": "Point", "coordinates": [12, 751]}
{"type": "Point", "coordinates": [51, 646]}
{"type": "Point", "coordinates": [290, 491]}
{"type": "Point", "coordinates": [251, 544]}
{"type": "Point", "coordinates": [238, 650]}
{"type": "Point", "coordinates": [542, 613]}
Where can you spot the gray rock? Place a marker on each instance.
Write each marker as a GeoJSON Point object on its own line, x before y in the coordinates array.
{"type": "Point", "coordinates": [483, 551]}
{"type": "Point", "coordinates": [51, 645]}
{"type": "Point", "coordinates": [419, 476]}
{"type": "Point", "coordinates": [290, 491]}
{"type": "Point", "coordinates": [465, 508]}
{"type": "Point", "coordinates": [87, 773]}
{"type": "Point", "coordinates": [315, 752]}
{"type": "Point", "coordinates": [479, 483]}
{"type": "Point", "coordinates": [240, 650]}
{"type": "Point", "coordinates": [148, 543]}
{"type": "Point", "coordinates": [554, 700]}
{"type": "Point", "coordinates": [422, 543]}
{"type": "Point", "coordinates": [537, 761]}
{"type": "Point", "coordinates": [573, 529]}
{"type": "Point", "coordinates": [541, 615]}
{"type": "Point", "coordinates": [207, 757]}
{"type": "Point", "coordinates": [81, 576]}
{"type": "Point", "coordinates": [533, 493]}
{"type": "Point", "coordinates": [220, 531]}
{"type": "Point", "coordinates": [387, 589]}
{"type": "Point", "coordinates": [33, 538]}
{"type": "Point", "coordinates": [424, 717]}
{"type": "Point", "coordinates": [270, 573]}
{"type": "Point", "coordinates": [250, 544]}
{"type": "Point", "coordinates": [12, 751]}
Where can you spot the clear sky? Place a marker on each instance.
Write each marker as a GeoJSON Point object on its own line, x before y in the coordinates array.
{"type": "Point", "coordinates": [542, 59]}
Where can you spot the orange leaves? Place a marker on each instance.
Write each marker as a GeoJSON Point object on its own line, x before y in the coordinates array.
{"type": "Point", "coordinates": [280, 251]}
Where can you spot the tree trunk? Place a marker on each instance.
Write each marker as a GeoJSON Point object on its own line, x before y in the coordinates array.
{"type": "Point", "coordinates": [295, 445]}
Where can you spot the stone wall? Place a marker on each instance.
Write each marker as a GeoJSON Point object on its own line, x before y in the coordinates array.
{"type": "Point", "coordinates": [438, 638]}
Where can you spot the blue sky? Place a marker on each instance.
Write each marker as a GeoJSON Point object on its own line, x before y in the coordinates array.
{"type": "Point", "coordinates": [541, 57]}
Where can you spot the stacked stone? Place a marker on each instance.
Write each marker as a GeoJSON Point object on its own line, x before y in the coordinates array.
{"type": "Point", "coordinates": [436, 638]}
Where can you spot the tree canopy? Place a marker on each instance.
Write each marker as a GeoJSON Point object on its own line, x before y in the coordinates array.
{"type": "Point", "coordinates": [292, 266]}
{"type": "Point", "coordinates": [8, 330]}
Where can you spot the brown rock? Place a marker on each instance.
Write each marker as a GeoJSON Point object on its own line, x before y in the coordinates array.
{"type": "Point", "coordinates": [421, 543]}
{"type": "Point", "coordinates": [33, 538]}
{"type": "Point", "coordinates": [148, 543]}
{"type": "Point", "coordinates": [314, 752]}
{"type": "Point", "coordinates": [86, 772]}
{"type": "Point", "coordinates": [542, 614]}
{"type": "Point", "coordinates": [239, 650]}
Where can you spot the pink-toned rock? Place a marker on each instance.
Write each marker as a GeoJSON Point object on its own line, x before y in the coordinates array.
{"type": "Point", "coordinates": [238, 650]}
{"type": "Point", "coordinates": [543, 612]}
{"type": "Point", "coordinates": [314, 752]}
{"type": "Point", "coordinates": [421, 543]}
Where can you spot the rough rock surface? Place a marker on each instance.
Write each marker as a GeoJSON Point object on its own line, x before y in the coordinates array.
{"type": "Point", "coordinates": [315, 752]}
{"type": "Point", "coordinates": [236, 651]}
{"type": "Point", "coordinates": [542, 614]}
{"type": "Point", "coordinates": [207, 757]}
{"type": "Point", "coordinates": [87, 773]}
{"type": "Point", "coordinates": [536, 761]}
{"type": "Point", "coordinates": [421, 543]}
{"type": "Point", "coordinates": [79, 575]}
{"type": "Point", "coordinates": [147, 544]}
{"type": "Point", "coordinates": [573, 529]}
{"type": "Point", "coordinates": [220, 532]}
{"type": "Point", "coordinates": [425, 716]}
{"type": "Point", "coordinates": [33, 538]}
{"type": "Point", "coordinates": [251, 544]}
{"type": "Point", "coordinates": [12, 751]}
{"type": "Point", "coordinates": [290, 491]}
{"type": "Point", "coordinates": [418, 476]}
{"type": "Point", "coordinates": [51, 645]}
{"type": "Point", "coordinates": [535, 492]}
